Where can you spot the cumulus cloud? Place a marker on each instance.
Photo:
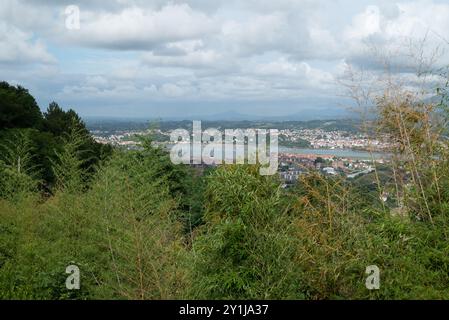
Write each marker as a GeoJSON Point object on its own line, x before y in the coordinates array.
{"type": "Point", "coordinates": [139, 51]}
{"type": "Point", "coordinates": [395, 32]}
{"type": "Point", "coordinates": [17, 46]}
{"type": "Point", "coordinates": [141, 29]}
{"type": "Point", "coordinates": [186, 54]}
{"type": "Point", "coordinates": [206, 58]}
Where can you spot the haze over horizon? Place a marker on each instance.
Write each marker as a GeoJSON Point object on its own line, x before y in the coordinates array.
{"type": "Point", "coordinates": [178, 59]}
{"type": "Point", "coordinates": [232, 115]}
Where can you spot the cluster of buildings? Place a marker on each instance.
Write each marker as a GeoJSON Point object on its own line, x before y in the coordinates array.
{"type": "Point", "coordinates": [291, 166]}
{"type": "Point", "coordinates": [319, 138]}
{"type": "Point", "coordinates": [127, 139]}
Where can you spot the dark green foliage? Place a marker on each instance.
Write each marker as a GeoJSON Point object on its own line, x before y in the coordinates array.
{"type": "Point", "coordinates": [298, 143]}
{"type": "Point", "coordinates": [122, 233]}
{"type": "Point", "coordinates": [20, 115]}
{"type": "Point", "coordinates": [18, 173]}
{"type": "Point", "coordinates": [185, 184]}
{"type": "Point", "coordinates": [255, 241]}
{"type": "Point", "coordinates": [140, 227]}
{"type": "Point", "coordinates": [18, 109]}
{"type": "Point", "coordinates": [59, 122]}
{"type": "Point", "coordinates": [244, 250]}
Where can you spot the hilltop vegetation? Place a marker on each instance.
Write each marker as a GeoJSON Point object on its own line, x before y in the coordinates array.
{"type": "Point", "coordinates": [23, 127]}
{"type": "Point", "coordinates": [140, 227]}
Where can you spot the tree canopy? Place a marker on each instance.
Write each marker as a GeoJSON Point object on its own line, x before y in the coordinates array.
{"type": "Point", "coordinates": [18, 109]}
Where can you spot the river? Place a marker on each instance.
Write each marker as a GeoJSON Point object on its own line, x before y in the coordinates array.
{"type": "Point", "coordinates": [343, 153]}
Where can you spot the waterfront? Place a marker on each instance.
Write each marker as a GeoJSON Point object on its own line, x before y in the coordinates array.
{"type": "Point", "coordinates": [341, 153]}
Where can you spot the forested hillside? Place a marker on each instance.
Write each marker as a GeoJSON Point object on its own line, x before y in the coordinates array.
{"type": "Point", "coordinates": [140, 227]}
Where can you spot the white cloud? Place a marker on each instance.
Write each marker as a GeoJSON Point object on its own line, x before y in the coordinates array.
{"type": "Point", "coordinates": [283, 67]}
{"type": "Point", "coordinates": [394, 31]}
{"type": "Point", "coordinates": [186, 54]}
{"type": "Point", "coordinates": [137, 28]}
{"type": "Point", "coordinates": [17, 46]}
{"type": "Point", "coordinates": [137, 51]}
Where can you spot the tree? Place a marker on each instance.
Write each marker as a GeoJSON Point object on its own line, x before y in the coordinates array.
{"type": "Point", "coordinates": [60, 122]}
{"type": "Point", "coordinates": [69, 165]}
{"type": "Point", "coordinates": [18, 109]}
{"type": "Point", "coordinates": [245, 249]}
{"type": "Point", "coordinates": [18, 173]}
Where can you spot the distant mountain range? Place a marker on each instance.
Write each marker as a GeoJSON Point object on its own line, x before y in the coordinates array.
{"type": "Point", "coordinates": [305, 115]}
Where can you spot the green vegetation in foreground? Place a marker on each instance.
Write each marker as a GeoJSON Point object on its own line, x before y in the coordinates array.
{"type": "Point", "coordinates": [299, 143]}
{"type": "Point", "coordinates": [140, 227]}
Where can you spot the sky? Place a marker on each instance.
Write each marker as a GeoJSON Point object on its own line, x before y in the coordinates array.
{"type": "Point", "coordinates": [156, 58]}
